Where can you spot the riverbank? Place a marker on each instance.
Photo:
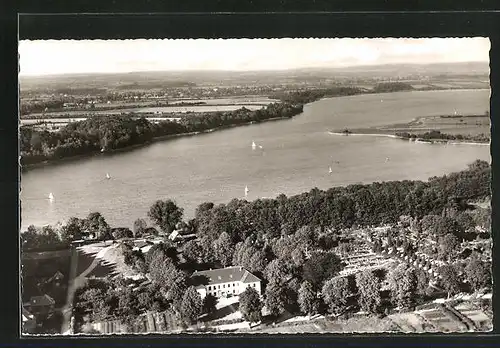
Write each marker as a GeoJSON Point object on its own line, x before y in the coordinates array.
{"type": "Point", "coordinates": [360, 132]}
{"type": "Point", "coordinates": [27, 167]}
{"type": "Point", "coordinates": [443, 129]}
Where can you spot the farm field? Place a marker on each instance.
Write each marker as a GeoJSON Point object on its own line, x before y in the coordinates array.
{"type": "Point", "coordinates": [365, 259]}
{"type": "Point", "coordinates": [356, 324]}
{"type": "Point", "coordinates": [481, 320]}
{"type": "Point", "coordinates": [439, 319]}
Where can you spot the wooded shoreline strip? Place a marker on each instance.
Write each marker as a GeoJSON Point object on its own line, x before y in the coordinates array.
{"type": "Point", "coordinates": [27, 167]}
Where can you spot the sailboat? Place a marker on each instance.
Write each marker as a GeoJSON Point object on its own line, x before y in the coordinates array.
{"type": "Point", "coordinates": [51, 196]}
{"type": "Point", "coordinates": [254, 146]}
{"type": "Point", "coordinates": [330, 170]}
{"type": "Point", "coordinates": [108, 176]}
{"type": "Point", "coordinates": [260, 147]}
{"type": "Point", "coordinates": [387, 159]}
{"type": "Point", "coordinates": [246, 191]}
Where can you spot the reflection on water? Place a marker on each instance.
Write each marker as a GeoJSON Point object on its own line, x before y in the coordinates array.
{"type": "Point", "coordinates": [296, 155]}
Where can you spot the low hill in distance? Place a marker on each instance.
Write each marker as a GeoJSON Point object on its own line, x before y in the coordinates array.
{"type": "Point", "coordinates": [162, 79]}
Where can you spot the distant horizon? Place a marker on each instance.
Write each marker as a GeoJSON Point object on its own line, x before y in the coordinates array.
{"type": "Point", "coordinates": [250, 71]}
{"type": "Point", "coordinates": [106, 57]}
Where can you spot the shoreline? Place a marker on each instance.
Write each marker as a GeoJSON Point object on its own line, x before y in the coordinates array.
{"type": "Point", "coordinates": [417, 140]}
{"type": "Point", "coordinates": [417, 124]}
{"type": "Point", "coordinates": [50, 162]}
{"type": "Point", "coordinates": [383, 133]}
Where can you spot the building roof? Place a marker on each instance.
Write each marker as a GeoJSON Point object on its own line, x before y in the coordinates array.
{"type": "Point", "coordinates": [224, 275]}
{"type": "Point", "coordinates": [44, 300]}
{"type": "Point", "coordinates": [142, 243]}
{"type": "Point", "coordinates": [57, 276]}
{"type": "Point", "coordinates": [27, 315]}
{"type": "Point", "coordinates": [173, 235]}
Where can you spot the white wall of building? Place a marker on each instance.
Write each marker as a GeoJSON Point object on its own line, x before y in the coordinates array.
{"type": "Point", "coordinates": [229, 288]}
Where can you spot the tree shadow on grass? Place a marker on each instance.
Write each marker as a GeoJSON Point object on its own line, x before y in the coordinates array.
{"type": "Point", "coordinates": [222, 312]}
{"type": "Point", "coordinates": [103, 270]}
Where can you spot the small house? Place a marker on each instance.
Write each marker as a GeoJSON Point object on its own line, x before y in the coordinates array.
{"type": "Point", "coordinates": [41, 305]}
{"type": "Point", "coordinates": [29, 321]}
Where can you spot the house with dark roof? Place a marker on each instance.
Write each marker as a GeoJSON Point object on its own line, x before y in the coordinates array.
{"type": "Point", "coordinates": [29, 321]}
{"type": "Point", "coordinates": [225, 282]}
{"type": "Point", "coordinates": [41, 304]}
{"type": "Point", "coordinates": [57, 278]}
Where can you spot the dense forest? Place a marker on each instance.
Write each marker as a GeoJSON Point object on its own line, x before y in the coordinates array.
{"type": "Point", "coordinates": [309, 96]}
{"type": "Point", "coordinates": [388, 87]}
{"type": "Point", "coordinates": [110, 133]}
{"type": "Point", "coordinates": [337, 208]}
{"type": "Point", "coordinates": [437, 135]}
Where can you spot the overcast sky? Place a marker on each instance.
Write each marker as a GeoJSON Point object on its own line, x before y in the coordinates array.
{"type": "Point", "coordinates": [99, 56]}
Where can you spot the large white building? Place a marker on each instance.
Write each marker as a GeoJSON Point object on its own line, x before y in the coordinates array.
{"type": "Point", "coordinates": [224, 282]}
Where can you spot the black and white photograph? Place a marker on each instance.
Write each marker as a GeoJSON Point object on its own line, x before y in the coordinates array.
{"type": "Point", "coordinates": [255, 186]}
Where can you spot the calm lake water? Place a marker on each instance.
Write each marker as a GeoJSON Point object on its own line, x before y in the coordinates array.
{"type": "Point", "coordinates": [295, 157]}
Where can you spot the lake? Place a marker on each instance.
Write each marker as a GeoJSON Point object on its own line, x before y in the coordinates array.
{"type": "Point", "coordinates": [295, 157]}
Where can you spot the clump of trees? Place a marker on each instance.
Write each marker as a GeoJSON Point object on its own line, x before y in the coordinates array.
{"type": "Point", "coordinates": [403, 285]}
{"type": "Point", "coordinates": [478, 273]}
{"type": "Point", "coordinates": [251, 305]}
{"type": "Point", "coordinates": [311, 95]}
{"type": "Point", "coordinates": [388, 87]}
{"type": "Point", "coordinates": [336, 293]}
{"type": "Point", "coordinates": [166, 214]}
{"type": "Point", "coordinates": [48, 237]}
{"type": "Point", "coordinates": [368, 285]}
{"type": "Point", "coordinates": [437, 135]}
{"type": "Point", "coordinates": [105, 299]}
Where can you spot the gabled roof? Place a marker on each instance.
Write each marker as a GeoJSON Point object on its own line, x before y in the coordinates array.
{"type": "Point", "coordinates": [27, 315]}
{"type": "Point", "coordinates": [224, 275]}
{"type": "Point", "coordinates": [44, 300]}
{"type": "Point", "coordinates": [58, 275]}
{"type": "Point", "coordinates": [173, 235]}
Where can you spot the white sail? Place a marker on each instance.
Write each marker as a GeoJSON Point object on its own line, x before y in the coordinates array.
{"type": "Point", "coordinates": [260, 147]}
{"type": "Point", "coordinates": [108, 176]}
{"type": "Point", "coordinates": [330, 170]}
{"type": "Point", "coordinates": [246, 190]}
{"type": "Point", "coordinates": [254, 145]}
{"type": "Point", "coordinates": [51, 196]}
